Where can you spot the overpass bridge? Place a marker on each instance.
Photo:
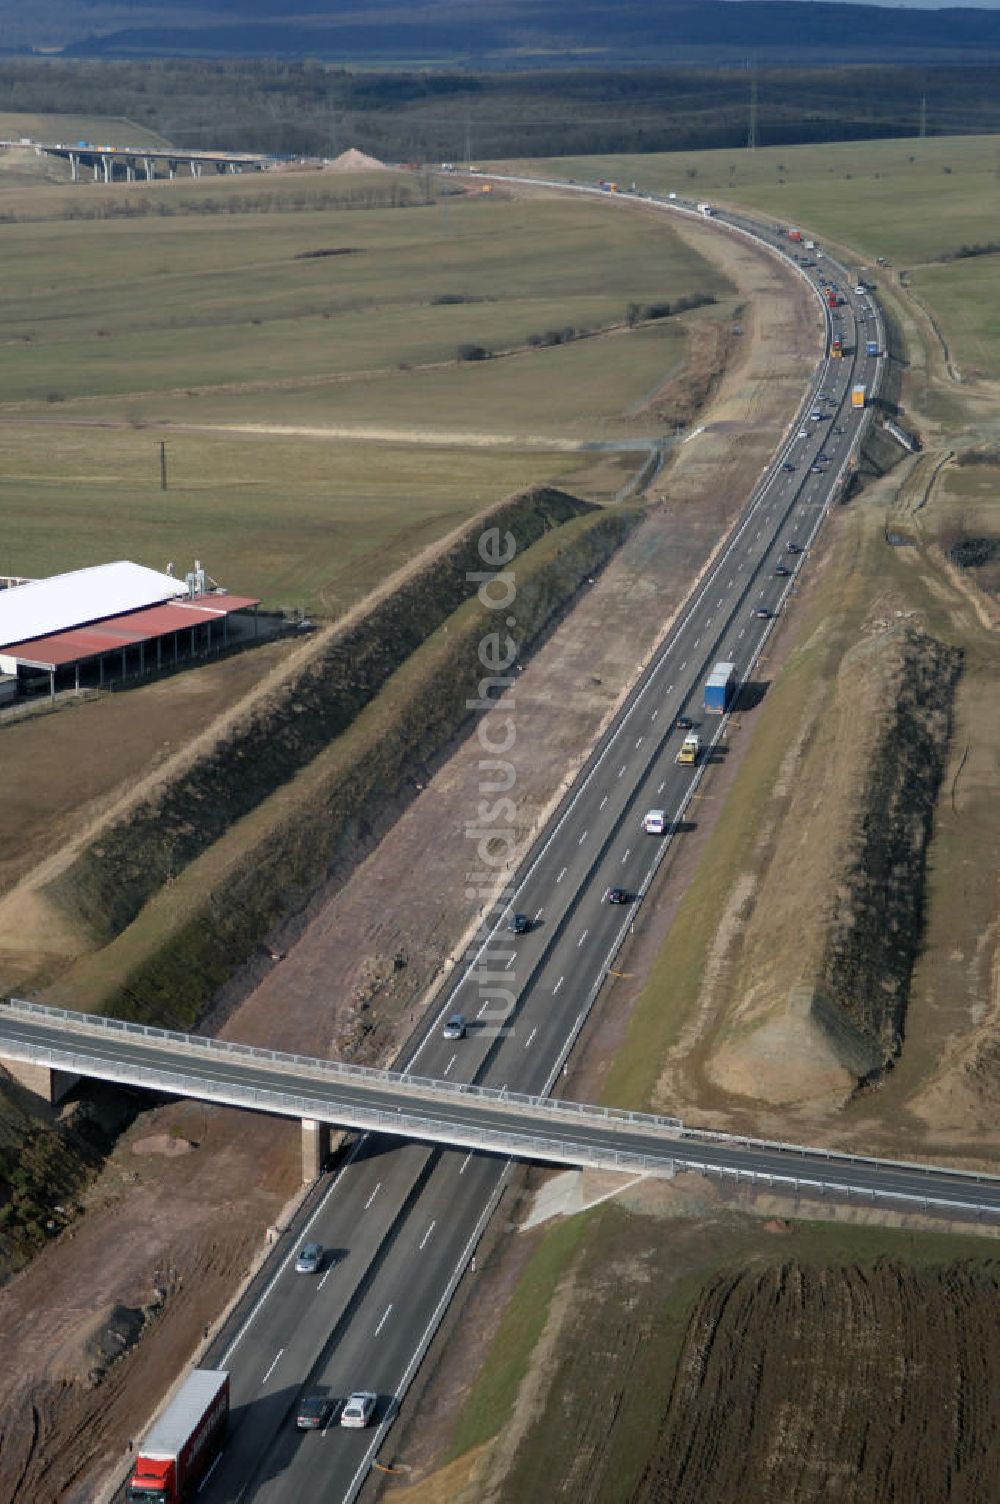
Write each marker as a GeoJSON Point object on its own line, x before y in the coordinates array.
{"type": "Point", "coordinates": [49, 1049]}
{"type": "Point", "coordinates": [142, 161]}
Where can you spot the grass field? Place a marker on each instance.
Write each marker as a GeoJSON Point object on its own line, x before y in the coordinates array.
{"type": "Point", "coordinates": [911, 201]}
{"type": "Point", "coordinates": [224, 320]}
{"type": "Point", "coordinates": [101, 129]}
{"type": "Point", "coordinates": [296, 521]}
{"type": "Point", "coordinates": [112, 308]}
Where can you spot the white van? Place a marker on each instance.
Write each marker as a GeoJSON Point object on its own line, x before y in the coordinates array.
{"type": "Point", "coordinates": [655, 822]}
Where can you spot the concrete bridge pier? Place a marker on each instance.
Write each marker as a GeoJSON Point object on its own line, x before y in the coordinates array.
{"type": "Point", "coordinates": [148, 162]}
{"type": "Point", "coordinates": [74, 166]}
{"type": "Point", "coordinates": [129, 170]}
{"type": "Point", "coordinates": [41, 1080]}
{"type": "Point", "coordinates": [97, 169]}
{"type": "Point", "coordinates": [108, 168]}
{"type": "Point", "coordinates": [195, 168]}
{"type": "Point", "coordinates": [171, 170]}
{"type": "Point", "coordinates": [315, 1148]}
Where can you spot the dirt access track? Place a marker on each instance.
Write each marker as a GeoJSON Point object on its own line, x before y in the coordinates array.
{"type": "Point", "coordinates": [171, 1237]}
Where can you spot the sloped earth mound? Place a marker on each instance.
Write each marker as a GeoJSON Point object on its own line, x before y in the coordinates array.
{"type": "Point", "coordinates": [110, 882]}
{"type": "Point", "coordinates": [876, 924]}
{"type": "Point", "coordinates": [817, 972]}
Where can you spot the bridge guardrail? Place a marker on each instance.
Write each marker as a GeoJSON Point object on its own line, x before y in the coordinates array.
{"type": "Point", "coordinates": [432, 1086]}
{"type": "Point", "coordinates": [840, 1156]}
{"type": "Point", "coordinates": [535, 1146]}
{"type": "Point", "coordinates": [544, 1105]}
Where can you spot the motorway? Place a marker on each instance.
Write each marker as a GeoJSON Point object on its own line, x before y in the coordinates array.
{"type": "Point", "coordinates": [404, 1219]}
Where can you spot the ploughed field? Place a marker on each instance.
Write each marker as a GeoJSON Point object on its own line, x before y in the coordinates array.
{"type": "Point", "coordinates": [804, 1383]}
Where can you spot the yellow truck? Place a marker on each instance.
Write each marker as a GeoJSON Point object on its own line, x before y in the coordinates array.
{"type": "Point", "coordinates": [690, 747]}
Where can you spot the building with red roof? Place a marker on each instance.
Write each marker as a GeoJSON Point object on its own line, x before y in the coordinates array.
{"type": "Point", "coordinates": [111, 623]}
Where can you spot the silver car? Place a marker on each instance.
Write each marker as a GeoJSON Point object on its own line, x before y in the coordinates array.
{"type": "Point", "coordinates": [309, 1259]}
{"type": "Point", "coordinates": [358, 1409]}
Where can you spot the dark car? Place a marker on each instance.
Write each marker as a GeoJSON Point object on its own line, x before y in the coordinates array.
{"type": "Point", "coordinates": [618, 895]}
{"type": "Point", "coordinates": [684, 723]}
{"type": "Point", "coordinates": [764, 612]}
{"type": "Point", "coordinates": [519, 924]}
{"type": "Point", "coordinates": [824, 459]}
{"type": "Point", "coordinates": [314, 1412]}
{"type": "Point", "coordinates": [782, 570]}
{"type": "Point", "coordinates": [788, 466]}
{"type": "Point", "coordinates": [815, 469]}
{"type": "Point", "coordinates": [792, 548]}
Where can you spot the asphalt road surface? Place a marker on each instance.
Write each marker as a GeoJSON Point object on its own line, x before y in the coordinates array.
{"type": "Point", "coordinates": [402, 1219]}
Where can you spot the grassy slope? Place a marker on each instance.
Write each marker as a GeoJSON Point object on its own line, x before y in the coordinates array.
{"type": "Point", "coordinates": [100, 129]}
{"type": "Point", "coordinates": [295, 521]}
{"type": "Point", "coordinates": [216, 322]}
{"type": "Point", "coordinates": [272, 859]}
{"type": "Point", "coordinates": [113, 308]}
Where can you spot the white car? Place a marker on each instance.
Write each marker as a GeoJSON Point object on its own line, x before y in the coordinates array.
{"type": "Point", "coordinates": [655, 822]}
{"type": "Point", "coordinates": [358, 1409]}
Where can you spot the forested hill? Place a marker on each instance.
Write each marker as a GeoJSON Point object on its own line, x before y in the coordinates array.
{"type": "Point", "coordinates": [495, 32]}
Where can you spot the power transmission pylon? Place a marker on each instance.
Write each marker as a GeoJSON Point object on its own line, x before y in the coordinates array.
{"type": "Point", "coordinates": [752, 133]}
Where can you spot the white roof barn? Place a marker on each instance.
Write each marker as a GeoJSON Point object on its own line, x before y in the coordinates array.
{"type": "Point", "coordinates": [84, 595]}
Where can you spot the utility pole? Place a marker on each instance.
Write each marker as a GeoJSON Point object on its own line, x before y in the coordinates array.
{"type": "Point", "coordinates": [163, 466]}
{"type": "Point", "coordinates": [752, 133]}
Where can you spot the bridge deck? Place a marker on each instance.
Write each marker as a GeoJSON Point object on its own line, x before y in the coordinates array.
{"type": "Point", "coordinates": [467, 1116]}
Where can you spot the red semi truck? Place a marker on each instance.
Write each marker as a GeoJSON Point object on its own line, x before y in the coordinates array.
{"type": "Point", "coordinates": [184, 1442]}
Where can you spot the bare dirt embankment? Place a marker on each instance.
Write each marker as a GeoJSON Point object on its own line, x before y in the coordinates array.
{"type": "Point", "coordinates": [358, 948]}
{"type": "Point", "coordinates": [268, 738]}
{"type": "Point", "coordinates": [829, 1009]}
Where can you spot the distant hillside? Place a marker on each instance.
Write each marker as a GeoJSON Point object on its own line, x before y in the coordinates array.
{"type": "Point", "coordinates": [490, 32]}
{"type": "Point", "coordinates": [409, 115]}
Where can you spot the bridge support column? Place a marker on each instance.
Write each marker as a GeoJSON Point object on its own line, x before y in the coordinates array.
{"type": "Point", "coordinates": [171, 170]}
{"type": "Point", "coordinates": [97, 169]}
{"type": "Point", "coordinates": [41, 1080]}
{"type": "Point", "coordinates": [315, 1148]}
{"type": "Point", "coordinates": [149, 168]}
{"type": "Point", "coordinates": [107, 168]}
{"type": "Point", "coordinates": [130, 169]}
{"type": "Point", "coordinates": [74, 166]}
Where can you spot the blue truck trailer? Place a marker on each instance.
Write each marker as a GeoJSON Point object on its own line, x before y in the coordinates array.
{"type": "Point", "coordinates": [871, 347]}
{"type": "Point", "coordinates": [720, 686]}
